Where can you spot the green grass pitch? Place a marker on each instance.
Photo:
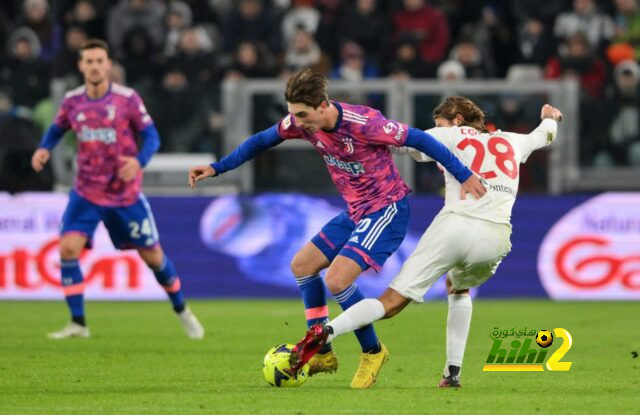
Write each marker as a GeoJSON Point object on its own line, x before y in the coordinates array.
{"type": "Point", "coordinates": [138, 361]}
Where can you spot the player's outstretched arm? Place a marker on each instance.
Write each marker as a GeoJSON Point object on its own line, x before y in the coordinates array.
{"type": "Point", "coordinates": [246, 151]}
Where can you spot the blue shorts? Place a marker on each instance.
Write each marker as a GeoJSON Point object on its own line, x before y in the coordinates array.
{"type": "Point", "coordinates": [129, 227]}
{"type": "Point", "coordinates": [369, 242]}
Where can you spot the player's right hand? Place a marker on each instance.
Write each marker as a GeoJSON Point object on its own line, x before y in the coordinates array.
{"type": "Point", "coordinates": [40, 158]}
{"type": "Point", "coordinates": [198, 173]}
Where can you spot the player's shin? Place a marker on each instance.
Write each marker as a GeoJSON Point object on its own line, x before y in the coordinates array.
{"type": "Point", "coordinates": [366, 334]}
{"type": "Point", "coordinates": [73, 287]}
{"type": "Point", "coordinates": [458, 322]}
{"type": "Point", "coordinates": [314, 297]}
{"type": "Point", "coordinates": [360, 314]}
{"type": "Point", "coordinates": [167, 277]}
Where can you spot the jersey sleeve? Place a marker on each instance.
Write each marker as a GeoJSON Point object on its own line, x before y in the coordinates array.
{"type": "Point", "coordinates": [287, 128]}
{"type": "Point", "coordinates": [380, 130]}
{"type": "Point", "coordinates": [140, 118]}
{"type": "Point", "coordinates": [62, 117]}
{"type": "Point", "coordinates": [542, 136]}
{"type": "Point", "coordinates": [444, 135]}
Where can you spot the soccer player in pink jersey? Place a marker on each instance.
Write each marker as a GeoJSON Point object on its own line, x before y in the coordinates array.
{"type": "Point", "coordinates": [107, 117]}
{"type": "Point", "coordinates": [353, 140]}
{"type": "Point", "coordinates": [467, 240]}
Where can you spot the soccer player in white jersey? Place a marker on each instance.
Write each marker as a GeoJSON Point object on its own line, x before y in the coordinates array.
{"type": "Point", "coordinates": [468, 238]}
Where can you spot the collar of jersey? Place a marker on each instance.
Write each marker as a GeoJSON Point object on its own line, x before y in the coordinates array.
{"type": "Point", "coordinates": [335, 128]}
{"type": "Point", "coordinates": [100, 98]}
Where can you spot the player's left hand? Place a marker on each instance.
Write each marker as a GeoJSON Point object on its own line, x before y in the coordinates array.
{"type": "Point", "coordinates": [474, 186]}
{"type": "Point", "coordinates": [130, 166]}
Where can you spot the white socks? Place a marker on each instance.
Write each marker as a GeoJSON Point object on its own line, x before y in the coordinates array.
{"type": "Point", "coordinates": [458, 322]}
{"type": "Point", "coordinates": [358, 315]}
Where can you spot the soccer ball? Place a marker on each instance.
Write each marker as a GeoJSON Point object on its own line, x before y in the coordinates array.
{"type": "Point", "coordinates": [544, 338]}
{"type": "Point", "coordinates": [276, 361]}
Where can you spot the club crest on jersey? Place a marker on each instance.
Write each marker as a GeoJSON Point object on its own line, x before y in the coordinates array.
{"type": "Point", "coordinates": [111, 112]}
{"type": "Point", "coordinates": [348, 143]}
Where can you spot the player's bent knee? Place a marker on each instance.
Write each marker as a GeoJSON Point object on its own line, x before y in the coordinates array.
{"type": "Point", "coordinates": [153, 257]}
{"type": "Point", "coordinates": [70, 248]}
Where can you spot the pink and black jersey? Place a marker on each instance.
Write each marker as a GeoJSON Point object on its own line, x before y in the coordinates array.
{"type": "Point", "coordinates": [357, 156]}
{"type": "Point", "coordinates": [106, 128]}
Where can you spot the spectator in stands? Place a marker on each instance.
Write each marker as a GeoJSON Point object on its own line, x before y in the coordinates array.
{"type": "Point", "coordinates": [301, 14]}
{"type": "Point", "coordinates": [535, 43]}
{"type": "Point", "coordinates": [427, 24]}
{"type": "Point", "coordinates": [451, 71]}
{"type": "Point", "coordinates": [406, 61]}
{"type": "Point", "coordinates": [475, 65]}
{"type": "Point", "coordinates": [304, 52]}
{"type": "Point", "coordinates": [23, 70]}
{"type": "Point", "coordinates": [178, 18]}
{"type": "Point", "coordinates": [251, 61]}
{"type": "Point", "coordinates": [140, 60]}
{"type": "Point", "coordinates": [37, 16]}
{"type": "Point", "coordinates": [598, 27]}
{"type": "Point", "coordinates": [353, 64]}
{"type": "Point", "coordinates": [182, 112]}
{"type": "Point", "coordinates": [195, 58]}
{"type": "Point", "coordinates": [365, 24]}
{"type": "Point", "coordinates": [627, 20]}
{"type": "Point", "coordinates": [621, 111]}
{"type": "Point", "coordinates": [19, 135]}
{"type": "Point", "coordinates": [65, 64]}
{"type": "Point", "coordinates": [578, 60]}
{"type": "Point", "coordinates": [129, 14]}
{"type": "Point", "coordinates": [251, 21]}
{"type": "Point", "coordinates": [90, 15]}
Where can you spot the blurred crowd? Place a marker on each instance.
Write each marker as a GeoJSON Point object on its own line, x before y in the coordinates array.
{"type": "Point", "coordinates": [177, 52]}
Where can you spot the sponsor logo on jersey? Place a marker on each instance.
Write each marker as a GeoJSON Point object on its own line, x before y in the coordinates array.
{"type": "Point", "coordinates": [390, 126]}
{"type": "Point", "coordinates": [103, 135]}
{"type": "Point", "coordinates": [356, 168]}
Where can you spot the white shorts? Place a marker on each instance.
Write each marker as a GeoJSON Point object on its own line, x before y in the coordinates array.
{"type": "Point", "coordinates": [469, 250]}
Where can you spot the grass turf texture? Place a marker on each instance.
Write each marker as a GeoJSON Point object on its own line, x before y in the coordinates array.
{"type": "Point", "coordinates": [139, 361]}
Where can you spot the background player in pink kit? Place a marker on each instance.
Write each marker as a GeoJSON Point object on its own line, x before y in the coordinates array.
{"type": "Point", "coordinates": [467, 240]}
{"type": "Point", "coordinates": [106, 118]}
{"type": "Point", "coordinates": [353, 140]}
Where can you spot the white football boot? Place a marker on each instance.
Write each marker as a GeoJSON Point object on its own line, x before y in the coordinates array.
{"type": "Point", "coordinates": [70, 330]}
{"type": "Point", "coordinates": [190, 324]}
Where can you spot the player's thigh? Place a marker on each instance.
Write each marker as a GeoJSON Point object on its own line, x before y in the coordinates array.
{"type": "Point", "coordinates": [342, 272]}
{"type": "Point", "coordinates": [489, 244]}
{"type": "Point", "coordinates": [79, 222]}
{"type": "Point", "coordinates": [324, 246]}
{"type": "Point", "coordinates": [308, 260]}
{"type": "Point", "coordinates": [131, 226]}
{"type": "Point", "coordinates": [439, 249]}
{"type": "Point", "coordinates": [377, 236]}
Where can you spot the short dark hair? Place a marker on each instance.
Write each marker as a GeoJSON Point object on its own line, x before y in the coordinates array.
{"type": "Point", "coordinates": [454, 105]}
{"type": "Point", "coordinates": [94, 44]}
{"type": "Point", "coordinates": [307, 87]}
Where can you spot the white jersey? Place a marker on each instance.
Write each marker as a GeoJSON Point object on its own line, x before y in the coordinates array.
{"type": "Point", "coordinates": [495, 157]}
